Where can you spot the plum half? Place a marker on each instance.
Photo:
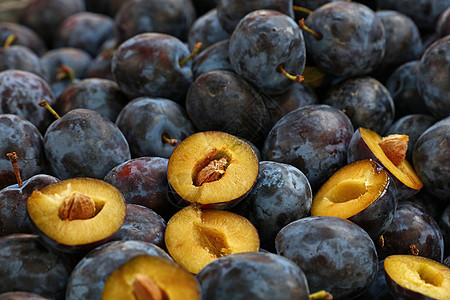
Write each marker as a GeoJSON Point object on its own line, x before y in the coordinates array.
{"type": "Point", "coordinates": [361, 192]}
{"type": "Point", "coordinates": [78, 214]}
{"type": "Point", "coordinates": [151, 277]}
{"type": "Point", "coordinates": [195, 237]}
{"type": "Point", "coordinates": [213, 169]}
{"type": "Point", "coordinates": [390, 153]}
{"type": "Point", "coordinates": [416, 277]}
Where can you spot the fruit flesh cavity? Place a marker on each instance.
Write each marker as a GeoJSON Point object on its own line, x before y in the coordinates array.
{"type": "Point", "coordinates": [44, 210]}
{"type": "Point", "coordinates": [350, 190]}
{"type": "Point", "coordinates": [419, 274]}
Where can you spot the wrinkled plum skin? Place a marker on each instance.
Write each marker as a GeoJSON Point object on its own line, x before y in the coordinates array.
{"type": "Point", "coordinates": [403, 41]}
{"type": "Point", "coordinates": [21, 136]}
{"type": "Point", "coordinates": [84, 144]}
{"type": "Point", "coordinates": [143, 181]}
{"type": "Point", "coordinates": [281, 194]}
{"type": "Point", "coordinates": [102, 95]}
{"type": "Point", "coordinates": [142, 224]}
{"type": "Point", "coordinates": [20, 93]}
{"type": "Point", "coordinates": [45, 16]}
{"type": "Point", "coordinates": [350, 48]}
{"type": "Point", "coordinates": [365, 101]}
{"type": "Point", "coordinates": [313, 243]}
{"type": "Point", "coordinates": [296, 96]}
{"type": "Point", "coordinates": [145, 120]}
{"type": "Point", "coordinates": [230, 12]}
{"type": "Point", "coordinates": [28, 266]}
{"type": "Point", "coordinates": [413, 126]}
{"type": "Point", "coordinates": [215, 57]}
{"type": "Point", "coordinates": [243, 111]}
{"type": "Point", "coordinates": [21, 58]}
{"type": "Point", "coordinates": [13, 204]}
{"type": "Point", "coordinates": [173, 17]}
{"type": "Point", "coordinates": [263, 40]}
{"type": "Point", "coordinates": [90, 274]}
{"type": "Point", "coordinates": [25, 37]}
{"type": "Point", "coordinates": [253, 275]}
{"type": "Point", "coordinates": [402, 84]}
{"type": "Point", "coordinates": [424, 12]}
{"type": "Point", "coordinates": [77, 59]}
{"type": "Point", "coordinates": [84, 30]}
{"type": "Point", "coordinates": [206, 30]}
{"type": "Point", "coordinates": [378, 290]}
{"type": "Point", "coordinates": [313, 138]}
{"type": "Point", "coordinates": [148, 65]}
{"type": "Point", "coordinates": [412, 226]}
{"type": "Point", "coordinates": [431, 159]}
{"type": "Point", "coordinates": [434, 76]}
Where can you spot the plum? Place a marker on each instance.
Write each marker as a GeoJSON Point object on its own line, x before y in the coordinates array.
{"type": "Point", "coordinates": [206, 29]}
{"type": "Point", "coordinates": [21, 58]}
{"type": "Point", "coordinates": [214, 57]}
{"type": "Point", "coordinates": [25, 37]}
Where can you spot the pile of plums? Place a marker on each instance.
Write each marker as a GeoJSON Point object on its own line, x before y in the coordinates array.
{"type": "Point", "coordinates": [193, 149]}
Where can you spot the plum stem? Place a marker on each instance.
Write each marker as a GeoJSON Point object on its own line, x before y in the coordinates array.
{"type": "Point", "coordinates": [44, 104]}
{"type": "Point", "coordinates": [165, 138]}
{"type": "Point", "coordinates": [296, 78]}
{"type": "Point", "coordinates": [302, 25]}
{"type": "Point", "coordinates": [9, 40]}
{"type": "Point", "coordinates": [324, 295]}
{"type": "Point", "coordinates": [65, 71]}
{"type": "Point", "coordinates": [302, 9]}
{"type": "Point", "coordinates": [194, 52]}
{"type": "Point", "coordinates": [381, 241]}
{"type": "Point", "coordinates": [13, 158]}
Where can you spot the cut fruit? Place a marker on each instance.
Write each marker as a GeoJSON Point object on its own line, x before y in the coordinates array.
{"type": "Point", "coordinates": [366, 143]}
{"type": "Point", "coordinates": [213, 169]}
{"type": "Point", "coordinates": [147, 277]}
{"type": "Point", "coordinates": [361, 192]}
{"type": "Point", "coordinates": [77, 214]}
{"type": "Point", "coordinates": [194, 237]}
{"type": "Point", "coordinates": [416, 277]}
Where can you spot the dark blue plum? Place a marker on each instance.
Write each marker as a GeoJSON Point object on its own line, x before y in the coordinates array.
{"type": "Point", "coordinates": [444, 225]}
{"type": "Point", "coordinates": [82, 143]}
{"type": "Point", "coordinates": [21, 136]}
{"type": "Point", "coordinates": [433, 77]}
{"type": "Point", "coordinates": [423, 12]}
{"type": "Point", "coordinates": [230, 12]}
{"type": "Point", "coordinates": [443, 23]}
{"type": "Point", "coordinates": [21, 58]}
{"type": "Point", "coordinates": [403, 40]}
{"type": "Point", "coordinates": [25, 37]}
{"type": "Point", "coordinates": [84, 30]}
{"type": "Point", "coordinates": [312, 138]}
{"type": "Point", "coordinates": [312, 4]}
{"type": "Point", "coordinates": [336, 255]}
{"type": "Point", "coordinates": [102, 95]}
{"type": "Point", "coordinates": [20, 93]}
{"type": "Point", "coordinates": [149, 123]}
{"type": "Point", "coordinates": [253, 275]}
{"type": "Point", "coordinates": [402, 84]}
{"type": "Point", "coordinates": [352, 40]}
{"type": "Point", "coordinates": [413, 126]}
{"type": "Point", "coordinates": [365, 101]}
{"type": "Point", "coordinates": [206, 29]}
{"type": "Point", "coordinates": [172, 17]}
{"type": "Point", "coordinates": [148, 64]}
{"type": "Point", "coordinates": [281, 194]}
{"type": "Point", "coordinates": [263, 41]}
{"type": "Point", "coordinates": [378, 290]}
{"type": "Point", "coordinates": [223, 101]}
{"type": "Point", "coordinates": [431, 159]}
{"type": "Point", "coordinates": [215, 57]}
{"type": "Point", "coordinates": [45, 16]}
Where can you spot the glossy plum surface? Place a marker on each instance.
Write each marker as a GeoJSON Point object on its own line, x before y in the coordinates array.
{"type": "Point", "coordinates": [214, 57]}
{"type": "Point", "coordinates": [326, 248]}
{"type": "Point", "coordinates": [206, 29]}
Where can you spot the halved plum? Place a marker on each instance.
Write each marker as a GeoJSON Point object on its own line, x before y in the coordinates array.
{"type": "Point", "coordinates": [151, 277]}
{"type": "Point", "coordinates": [390, 153]}
{"type": "Point", "coordinates": [195, 237]}
{"type": "Point", "coordinates": [213, 169]}
{"type": "Point", "coordinates": [416, 277]}
{"type": "Point", "coordinates": [78, 214]}
{"type": "Point", "coordinates": [362, 192]}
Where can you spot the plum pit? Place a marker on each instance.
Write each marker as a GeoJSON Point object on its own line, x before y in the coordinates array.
{"type": "Point", "coordinates": [212, 167]}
